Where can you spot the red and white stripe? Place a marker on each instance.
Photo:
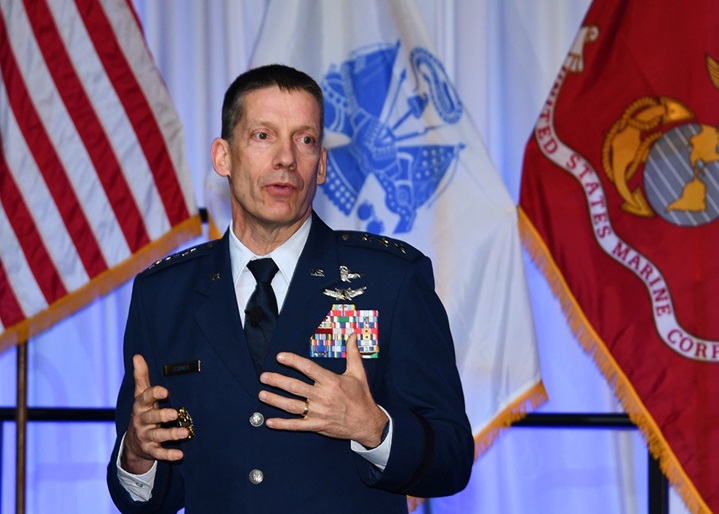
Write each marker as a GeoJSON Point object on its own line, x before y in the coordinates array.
{"type": "Point", "coordinates": [92, 167]}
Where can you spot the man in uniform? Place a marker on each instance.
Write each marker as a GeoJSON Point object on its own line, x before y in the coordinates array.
{"type": "Point", "coordinates": [286, 367]}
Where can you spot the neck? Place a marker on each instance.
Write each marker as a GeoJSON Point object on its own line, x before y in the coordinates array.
{"type": "Point", "coordinates": [262, 238]}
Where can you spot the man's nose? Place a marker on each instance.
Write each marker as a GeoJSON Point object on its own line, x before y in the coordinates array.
{"type": "Point", "coordinates": [285, 155]}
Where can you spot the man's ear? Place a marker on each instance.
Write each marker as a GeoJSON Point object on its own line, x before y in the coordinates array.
{"type": "Point", "coordinates": [220, 154]}
{"type": "Point", "coordinates": [322, 167]}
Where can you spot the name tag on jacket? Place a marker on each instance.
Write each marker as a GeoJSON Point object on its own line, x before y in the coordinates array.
{"type": "Point", "coordinates": [181, 368]}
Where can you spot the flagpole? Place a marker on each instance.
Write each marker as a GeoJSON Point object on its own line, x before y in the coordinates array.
{"type": "Point", "coordinates": [658, 488]}
{"type": "Point", "coordinates": [21, 428]}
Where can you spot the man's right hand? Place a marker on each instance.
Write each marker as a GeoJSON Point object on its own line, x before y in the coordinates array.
{"type": "Point", "coordinates": [145, 434]}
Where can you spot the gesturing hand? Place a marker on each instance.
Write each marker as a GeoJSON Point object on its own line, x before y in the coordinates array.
{"type": "Point", "coordinates": [145, 434]}
{"type": "Point", "coordinates": [340, 406]}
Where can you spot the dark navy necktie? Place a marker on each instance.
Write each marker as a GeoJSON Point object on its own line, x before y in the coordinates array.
{"type": "Point", "coordinates": [261, 310]}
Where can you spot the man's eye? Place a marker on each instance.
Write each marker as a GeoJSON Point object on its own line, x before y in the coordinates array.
{"type": "Point", "coordinates": [261, 135]}
{"type": "Point", "coordinates": [307, 140]}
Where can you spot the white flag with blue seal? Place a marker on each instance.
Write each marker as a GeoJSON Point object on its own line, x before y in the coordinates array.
{"type": "Point", "coordinates": [405, 160]}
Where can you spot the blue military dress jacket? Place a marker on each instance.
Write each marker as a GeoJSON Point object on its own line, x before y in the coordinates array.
{"type": "Point", "coordinates": [184, 310]}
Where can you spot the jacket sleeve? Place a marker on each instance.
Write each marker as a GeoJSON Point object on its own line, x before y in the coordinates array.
{"type": "Point", "coordinates": [167, 495]}
{"type": "Point", "coordinates": [432, 446]}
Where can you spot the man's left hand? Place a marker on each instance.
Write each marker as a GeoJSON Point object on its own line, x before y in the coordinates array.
{"type": "Point", "coordinates": [339, 406]}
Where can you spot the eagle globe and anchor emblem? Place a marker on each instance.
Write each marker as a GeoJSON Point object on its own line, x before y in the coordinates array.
{"type": "Point", "coordinates": [680, 157]}
{"type": "Point", "coordinates": [386, 133]}
{"type": "Point", "coordinates": [677, 158]}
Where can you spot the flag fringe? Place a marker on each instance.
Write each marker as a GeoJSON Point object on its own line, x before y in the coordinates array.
{"type": "Point", "coordinates": [101, 284]}
{"type": "Point", "coordinates": [517, 410]}
{"type": "Point", "coordinates": [213, 231]}
{"type": "Point", "coordinates": [602, 357]}
{"type": "Point", "coordinates": [413, 503]}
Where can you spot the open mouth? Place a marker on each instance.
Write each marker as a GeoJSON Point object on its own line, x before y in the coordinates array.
{"type": "Point", "coordinates": [281, 188]}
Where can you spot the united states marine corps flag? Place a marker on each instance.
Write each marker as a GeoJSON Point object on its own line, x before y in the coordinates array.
{"type": "Point", "coordinates": [620, 200]}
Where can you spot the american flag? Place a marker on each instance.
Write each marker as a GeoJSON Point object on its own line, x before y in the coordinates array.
{"type": "Point", "coordinates": [93, 179]}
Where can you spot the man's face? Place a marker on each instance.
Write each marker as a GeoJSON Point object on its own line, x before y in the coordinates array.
{"type": "Point", "coordinates": [275, 161]}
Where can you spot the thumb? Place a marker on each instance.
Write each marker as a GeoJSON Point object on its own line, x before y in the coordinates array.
{"type": "Point", "coordinates": [354, 358]}
{"type": "Point", "coordinates": [141, 374]}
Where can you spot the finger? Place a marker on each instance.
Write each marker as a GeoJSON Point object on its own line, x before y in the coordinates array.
{"type": "Point", "coordinates": [158, 436]}
{"type": "Point", "coordinates": [141, 374]}
{"type": "Point", "coordinates": [294, 424]}
{"type": "Point", "coordinates": [169, 454]}
{"type": "Point", "coordinates": [157, 416]}
{"type": "Point", "coordinates": [290, 405]}
{"type": "Point", "coordinates": [152, 447]}
{"type": "Point", "coordinates": [145, 443]}
{"type": "Point", "coordinates": [149, 397]}
{"type": "Point", "coordinates": [355, 366]}
{"type": "Point", "coordinates": [291, 385]}
{"type": "Point", "coordinates": [304, 366]}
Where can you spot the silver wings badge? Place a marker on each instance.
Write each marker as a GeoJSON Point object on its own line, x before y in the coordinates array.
{"type": "Point", "coordinates": [344, 294]}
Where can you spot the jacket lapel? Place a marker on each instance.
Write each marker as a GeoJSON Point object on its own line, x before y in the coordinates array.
{"type": "Point", "coordinates": [305, 305]}
{"type": "Point", "coordinates": [219, 319]}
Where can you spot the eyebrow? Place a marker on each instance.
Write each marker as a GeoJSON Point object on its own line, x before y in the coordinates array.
{"type": "Point", "coordinates": [272, 125]}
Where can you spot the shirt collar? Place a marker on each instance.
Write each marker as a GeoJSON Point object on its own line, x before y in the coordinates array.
{"type": "Point", "coordinates": [285, 256]}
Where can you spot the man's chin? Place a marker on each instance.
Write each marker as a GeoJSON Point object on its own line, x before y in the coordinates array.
{"type": "Point", "coordinates": [285, 218]}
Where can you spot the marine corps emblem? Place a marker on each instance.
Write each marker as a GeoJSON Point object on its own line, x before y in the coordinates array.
{"type": "Point", "coordinates": [663, 162]}
{"type": "Point", "coordinates": [680, 158]}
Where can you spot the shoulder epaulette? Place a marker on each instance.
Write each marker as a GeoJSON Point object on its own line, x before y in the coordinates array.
{"type": "Point", "coordinates": [181, 256]}
{"type": "Point", "coordinates": [383, 243]}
